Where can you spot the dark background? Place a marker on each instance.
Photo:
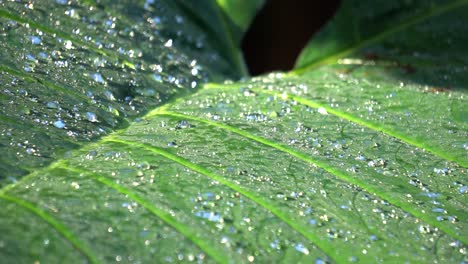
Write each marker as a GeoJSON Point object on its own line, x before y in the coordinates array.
{"type": "Point", "coordinates": [280, 31]}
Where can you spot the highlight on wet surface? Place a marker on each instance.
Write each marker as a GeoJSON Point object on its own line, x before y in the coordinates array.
{"type": "Point", "coordinates": [117, 149]}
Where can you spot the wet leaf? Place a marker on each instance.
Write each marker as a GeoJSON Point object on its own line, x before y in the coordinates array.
{"type": "Point", "coordinates": [116, 149]}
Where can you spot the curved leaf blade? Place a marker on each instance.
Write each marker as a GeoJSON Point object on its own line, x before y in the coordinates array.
{"type": "Point", "coordinates": [359, 24]}
{"type": "Point", "coordinates": [323, 167]}
{"type": "Point", "coordinates": [75, 71]}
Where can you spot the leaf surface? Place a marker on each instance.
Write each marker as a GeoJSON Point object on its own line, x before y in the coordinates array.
{"type": "Point", "coordinates": [115, 160]}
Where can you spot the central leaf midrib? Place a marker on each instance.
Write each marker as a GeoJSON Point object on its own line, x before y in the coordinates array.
{"type": "Point", "coordinates": [334, 171]}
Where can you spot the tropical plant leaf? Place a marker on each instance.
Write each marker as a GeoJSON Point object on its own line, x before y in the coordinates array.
{"type": "Point", "coordinates": [74, 71]}
{"type": "Point", "coordinates": [241, 12]}
{"type": "Point", "coordinates": [362, 159]}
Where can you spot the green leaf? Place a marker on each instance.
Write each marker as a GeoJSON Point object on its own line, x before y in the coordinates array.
{"type": "Point", "coordinates": [223, 28]}
{"type": "Point", "coordinates": [115, 158]}
{"type": "Point", "coordinates": [358, 24]}
{"type": "Point", "coordinates": [241, 12]}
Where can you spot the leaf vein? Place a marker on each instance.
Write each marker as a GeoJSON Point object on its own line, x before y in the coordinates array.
{"type": "Point", "coordinates": [371, 125]}
{"type": "Point", "coordinates": [334, 171]}
{"type": "Point", "coordinates": [4, 13]}
{"type": "Point", "coordinates": [166, 217]}
{"type": "Point", "coordinates": [325, 246]}
{"type": "Point", "coordinates": [61, 228]}
{"type": "Point", "coordinates": [432, 12]}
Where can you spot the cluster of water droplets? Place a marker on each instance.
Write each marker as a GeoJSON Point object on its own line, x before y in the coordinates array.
{"type": "Point", "coordinates": [76, 70]}
{"type": "Point", "coordinates": [265, 107]}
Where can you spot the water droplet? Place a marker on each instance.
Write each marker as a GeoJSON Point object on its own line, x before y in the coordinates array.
{"type": "Point", "coordinates": [172, 144]}
{"type": "Point", "coordinates": [59, 124]}
{"type": "Point", "coordinates": [256, 117]}
{"type": "Point", "coordinates": [377, 163]}
{"type": "Point", "coordinates": [68, 44]}
{"type": "Point", "coordinates": [30, 57]}
{"type": "Point", "coordinates": [179, 19]}
{"type": "Point", "coordinates": [52, 105]}
{"type": "Point", "coordinates": [299, 247]}
{"type": "Point", "coordinates": [210, 216]}
{"type": "Point", "coordinates": [463, 189]}
{"type": "Point", "coordinates": [360, 157]}
{"type": "Point", "coordinates": [109, 95]}
{"type": "Point", "coordinates": [438, 210]}
{"type": "Point", "coordinates": [30, 151]}
{"type": "Point", "coordinates": [443, 171]}
{"type": "Point", "coordinates": [322, 111]}
{"type": "Point", "coordinates": [97, 77]}
{"type": "Point", "coordinates": [182, 124]}
{"type": "Point", "coordinates": [75, 185]}
{"type": "Point", "coordinates": [168, 43]}
{"type": "Point", "coordinates": [35, 40]}
{"type": "Point", "coordinates": [320, 261]}
{"type": "Point", "coordinates": [91, 117]}
{"type": "Point", "coordinates": [431, 195]}
{"type": "Point", "coordinates": [157, 77]}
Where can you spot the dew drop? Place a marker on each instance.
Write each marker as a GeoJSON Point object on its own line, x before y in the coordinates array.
{"type": "Point", "coordinates": [157, 77]}
{"type": "Point", "coordinates": [299, 247]}
{"type": "Point", "coordinates": [30, 151]}
{"type": "Point", "coordinates": [109, 95]}
{"type": "Point", "coordinates": [322, 111]}
{"type": "Point", "coordinates": [320, 261]}
{"type": "Point", "coordinates": [52, 105]}
{"type": "Point", "coordinates": [30, 57]}
{"type": "Point", "coordinates": [179, 19]}
{"type": "Point", "coordinates": [182, 124]}
{"type": "Point", "coordinates": [172, 144]}
{"type": "Point", "coordinates": [210, 216]}
{"type": "Point", "coordinates": [97, 77]}
{"type": "Point", "coordinates": [91, 117]}
{"type": "Point", "coordinates": [35, 40]}
{"type": "Point", "coordinates": [168, 43]}
{"type": "Point", "coordinates": [59, 124]}
{"type": "Point", "coordinates": [256, 117]}
{"type": "Point", "coordinates": [463, 189]}
{"type": "Point", "coordinates": [68, 44]}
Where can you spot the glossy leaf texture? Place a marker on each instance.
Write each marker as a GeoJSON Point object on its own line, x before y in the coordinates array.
{"type": "Point", "coordinates": [360, 160]}
{"type": "Point", "coordinates": [74, 71]}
